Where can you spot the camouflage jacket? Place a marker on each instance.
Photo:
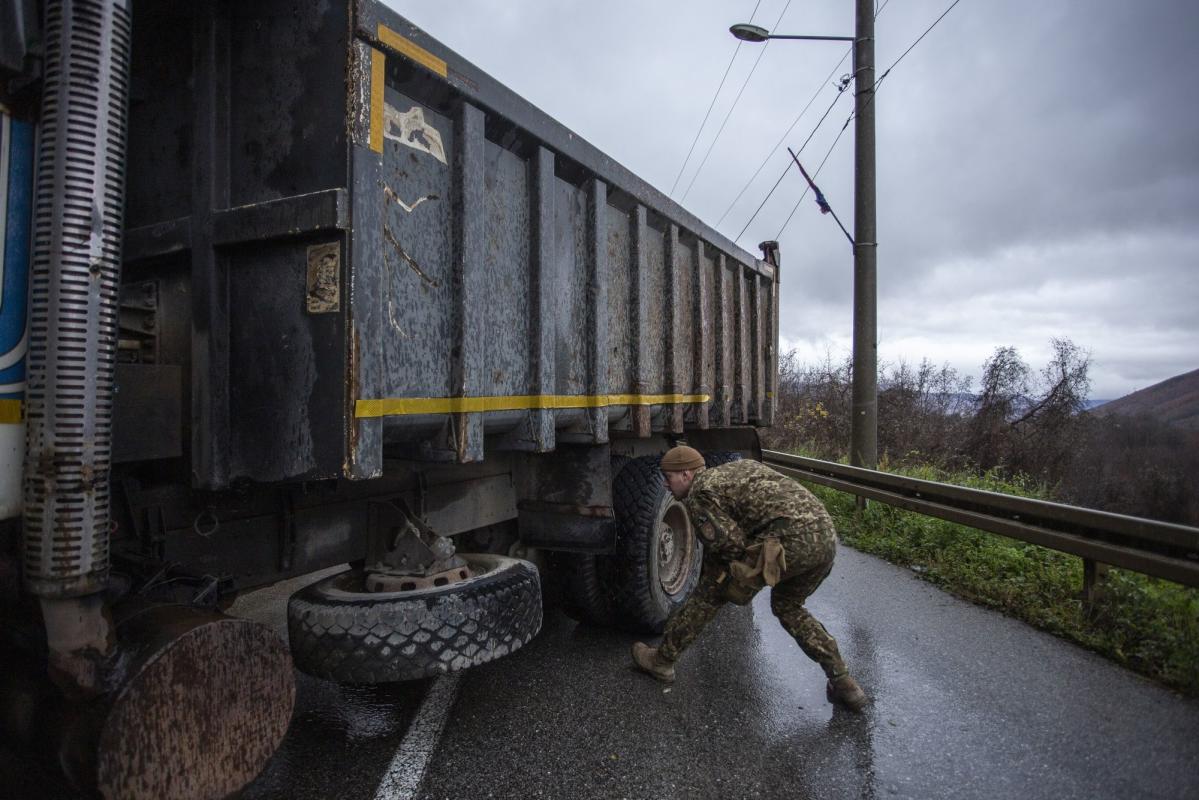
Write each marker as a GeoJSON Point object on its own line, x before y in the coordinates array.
{"type": "Point", "coordinates": [731, 505]}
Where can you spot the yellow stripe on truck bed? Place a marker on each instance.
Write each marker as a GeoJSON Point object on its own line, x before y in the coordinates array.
{"type": "Point", "coordinates": [405, 406]}
{"type": "Point", "coordinates": [412, 50]}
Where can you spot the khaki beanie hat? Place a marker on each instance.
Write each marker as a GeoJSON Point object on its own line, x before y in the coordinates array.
{"type": "Point", "coordinates": [680, 458]}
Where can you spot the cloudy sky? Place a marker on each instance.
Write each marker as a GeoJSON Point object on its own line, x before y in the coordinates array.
{"type": "Point", "coordinates": [1038, 160]}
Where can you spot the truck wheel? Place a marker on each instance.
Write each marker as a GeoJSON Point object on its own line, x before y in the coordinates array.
{"type": "Point", "coordinates": [658, 558]}
{"type": "Point", "coordinates": [578, 589]}
{"type": "Point", "coordinates": [715, 459]}
{"type": "Point", "coordinates": [341, 632]}
{"type": "Point", "coordinates": [581, 594]}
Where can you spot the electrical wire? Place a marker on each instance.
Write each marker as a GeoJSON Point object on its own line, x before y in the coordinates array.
{"type": "Point", "coordinates": [711, 105]}
{"type": "Point", "coordinates": [783, 138]}
{"type": "Point", "coordinates": [840, 90]}
{"type": "Point", "coordinates": [870, 100]}
{"type": "Point", "coordinates": [815, 175]}
{"type": "Point", "coordinates": [918, 40]}
{"type": "Point", "coordinates": [733, 107]}
{"type": "Point", "coordinates": [787, 169]}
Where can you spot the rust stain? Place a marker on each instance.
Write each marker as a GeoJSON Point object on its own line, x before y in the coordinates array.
{"type": "Point", "coordinates": [460, 436]}
{"type": "Point", "coordinates": [201, 713]}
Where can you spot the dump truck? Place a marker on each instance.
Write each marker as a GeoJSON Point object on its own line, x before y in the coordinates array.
{"type": "Point", "coordinates": [290, 285]}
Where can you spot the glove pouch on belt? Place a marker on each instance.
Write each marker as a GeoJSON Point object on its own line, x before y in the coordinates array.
{"type": "Point", "coordinates": [763, 565]}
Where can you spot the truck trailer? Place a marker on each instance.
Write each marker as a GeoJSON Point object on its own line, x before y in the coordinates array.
{"type": "Point", "coordinates": [290, 285]}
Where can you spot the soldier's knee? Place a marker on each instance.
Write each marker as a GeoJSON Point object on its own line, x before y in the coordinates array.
{"type": "Point", "coordinates": [784, 605]}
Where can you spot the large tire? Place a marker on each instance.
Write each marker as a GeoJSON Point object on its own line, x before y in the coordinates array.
{"type": "Point", "coordinates": [577, 586]}
{"type": "Point", "coordinates": [581, 594]}
{"type": "Point", "coordinates": [340, 632]}
{"type": "Point", "coordinates": [719, 457]}
{"type": "Point", "coordinates": [649, 576]}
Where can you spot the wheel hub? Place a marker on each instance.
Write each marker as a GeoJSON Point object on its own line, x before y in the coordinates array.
{"type": "Point", "coordinates": [676, 549]}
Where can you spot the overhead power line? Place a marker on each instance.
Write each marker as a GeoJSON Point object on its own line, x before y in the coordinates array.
{"type": "Point", "coordinates": [821, 201]}
{"type": "Point", "coordinates": [787, 168]}
{"type": "Point", "coordinates": [711, 105]}
{"type": "Point", "coordinates": [849, 119]}
{"type": "Point", "coordinates": [782, 139]}
{"type": "Point", "coordinates": [733, 107]}
{"type": "Point", "coordinates": [815, 175]}
{"type": "Point", "coordinates": [918, 40]}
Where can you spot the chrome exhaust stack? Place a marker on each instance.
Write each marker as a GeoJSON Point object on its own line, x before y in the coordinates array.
{"type": "Point", "coordinates": [74, 286]}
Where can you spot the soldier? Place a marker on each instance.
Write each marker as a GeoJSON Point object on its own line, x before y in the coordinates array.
{"type": "Point", "coordinates": [759, 528]}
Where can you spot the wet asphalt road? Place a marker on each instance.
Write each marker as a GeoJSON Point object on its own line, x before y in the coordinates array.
{"type": "Point", "coordinates": [967, 703]}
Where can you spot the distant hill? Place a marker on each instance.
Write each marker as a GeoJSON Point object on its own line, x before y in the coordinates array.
{"type": "Point", "coordinates": [1174, 401]}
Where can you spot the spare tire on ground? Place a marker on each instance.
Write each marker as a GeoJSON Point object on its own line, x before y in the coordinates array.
{"type": "Point", "coordinates": [341, 632]}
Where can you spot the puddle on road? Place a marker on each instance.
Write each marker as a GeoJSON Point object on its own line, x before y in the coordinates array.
{"type": "Point", "coordinates": [365, 724]}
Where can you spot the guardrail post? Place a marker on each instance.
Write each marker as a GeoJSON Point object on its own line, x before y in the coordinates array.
{"type": "Point", "coordinates": [1092, 583]}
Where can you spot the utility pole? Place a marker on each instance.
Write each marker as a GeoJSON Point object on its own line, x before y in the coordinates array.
{"type": "Point", "coordinates": [863, 427]}
{"type": "Point", "coordinates": [863, 423]}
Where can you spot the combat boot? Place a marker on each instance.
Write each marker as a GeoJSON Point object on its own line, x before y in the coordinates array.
{"type": "Point", "coordinates": [647, 660]}
{"type": "Point", "coordinates": [845, 691]}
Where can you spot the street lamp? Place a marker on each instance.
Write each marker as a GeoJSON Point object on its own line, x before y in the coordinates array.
{"type": "Point", "coordinates": [863, 426]}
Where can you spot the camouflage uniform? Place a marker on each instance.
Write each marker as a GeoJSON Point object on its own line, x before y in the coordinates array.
{"type": "Point", "coordinates": [732, 506]}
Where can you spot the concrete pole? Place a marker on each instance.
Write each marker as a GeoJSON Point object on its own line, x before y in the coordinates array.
{"type": "Point", "coordinates": [863, 446]}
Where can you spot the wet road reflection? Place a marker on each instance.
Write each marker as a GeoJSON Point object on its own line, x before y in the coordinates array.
{"type": "Point", "coordinates": [340, 742]}
{"type": "Point", "coordinates": [966, 704]}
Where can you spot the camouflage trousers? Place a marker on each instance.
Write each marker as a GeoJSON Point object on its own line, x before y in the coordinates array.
{"type": "Point", "coordinates": [810, 549]}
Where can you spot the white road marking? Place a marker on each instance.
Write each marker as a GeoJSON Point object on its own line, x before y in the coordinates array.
{"type": "Point", "coordinates": [407, 769]}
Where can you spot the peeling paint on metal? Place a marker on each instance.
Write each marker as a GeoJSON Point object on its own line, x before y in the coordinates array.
{"type": "Point", "coordinates": [324, 278]}
{"type": "Point", "coordinates": [410, 129]}
{"type": "Point", "coordinates": [395, 198]}
{"type": "Point", "coordinates": [409, 260]}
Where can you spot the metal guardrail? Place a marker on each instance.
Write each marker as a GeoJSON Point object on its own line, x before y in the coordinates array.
{"type": "Point", "coordinates": [1160, 549]}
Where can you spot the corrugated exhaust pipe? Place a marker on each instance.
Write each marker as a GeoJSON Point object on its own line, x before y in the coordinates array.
{"type": "Point", "coordinates": [74, 280]}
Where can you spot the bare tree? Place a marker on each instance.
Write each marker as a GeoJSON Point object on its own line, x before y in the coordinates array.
{"type": "Point", "coordinates": [1002, 391]}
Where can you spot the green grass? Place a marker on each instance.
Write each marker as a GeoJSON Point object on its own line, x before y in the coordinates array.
{"type": "Point", "coordinates": [1146, 624]}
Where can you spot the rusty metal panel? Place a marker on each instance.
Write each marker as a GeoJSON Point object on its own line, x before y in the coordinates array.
{"type": "Point", "coordinates": [287, 129]}
{"type": "Point", "coordinates": [657, 313]}
{"type": "Point", "coordinates": [598, 349]}
{"type": "Point", "coordinates": [467, 379]}
{"type": "Point", "coordinates": [544, 291]}
{"type": "Point", "coordinates": [687, 339]}
{"type": "Point", "coordinates": [508, 308]}
{"type": "Point", "coordinates": [703, 354]}
{"type": "Point", "coordinates": [641, 243]}
{"type": "Point", "coordinates": [573, 279]}
{"type": "Point", "coordinates": [417, 196]}
{"type": "Point", "coordinates": [741, 346]}
{"type": "Point", "coordinates": [367, 273]}
{"type": "Point", "coordinates": [278, 397]}
{"type": "Point", "coordinates": [484, 254]}
{"type": "Point", "coordinates": [620, 298]}
{"type": "Point", "coordinates": [724, 314]}
{"type": "Point", "coordinates": [758, 312]}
